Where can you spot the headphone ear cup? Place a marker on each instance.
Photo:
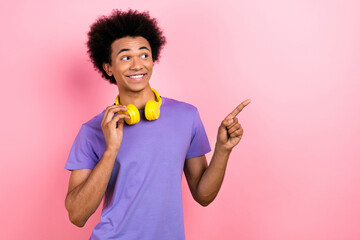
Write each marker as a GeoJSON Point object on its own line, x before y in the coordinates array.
{"type": "Point", "coordinates": [133, 113]}
{"type": "Point", "coordinates": [152, 110]}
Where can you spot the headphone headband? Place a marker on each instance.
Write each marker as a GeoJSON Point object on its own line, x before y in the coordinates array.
{"type": "Point", "coordinates": [157, 96]}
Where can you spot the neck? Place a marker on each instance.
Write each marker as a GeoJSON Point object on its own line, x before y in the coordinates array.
{"type": "Point", "coordinates": [139, 99]}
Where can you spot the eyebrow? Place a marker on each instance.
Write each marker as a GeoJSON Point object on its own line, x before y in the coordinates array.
{"type": "Point", "coordinates": [126, 49]}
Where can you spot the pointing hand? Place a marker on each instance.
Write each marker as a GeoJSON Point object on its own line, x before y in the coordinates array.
{"type": "Point", "coordinates": [230, 131]}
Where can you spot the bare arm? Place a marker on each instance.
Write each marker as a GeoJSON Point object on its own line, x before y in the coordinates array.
{"type": "Point", "coordinates": [87, 187]}
{"type": "Point", "coordinates": [205, 181]}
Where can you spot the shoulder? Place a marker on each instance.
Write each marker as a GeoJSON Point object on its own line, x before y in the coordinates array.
{"type": "Point", "coordinates": [177, 105]}
{"type": "Point", "coordinates": [94, 124]}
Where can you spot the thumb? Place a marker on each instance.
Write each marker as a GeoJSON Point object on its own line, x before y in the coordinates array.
{"type": "Point", "coordinates": [120, 124]}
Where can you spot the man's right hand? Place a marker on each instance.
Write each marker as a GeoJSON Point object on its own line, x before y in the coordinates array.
{"type": "Point", "coordinates": [112, 126]}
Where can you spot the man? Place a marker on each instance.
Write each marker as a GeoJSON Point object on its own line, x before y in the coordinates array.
{"type": "Point", "coordinates": [135, 151]}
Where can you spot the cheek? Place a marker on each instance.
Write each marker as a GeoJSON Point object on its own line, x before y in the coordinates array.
{"type": "Point", "coordinates": [122, 68]}
{"type": "Point", "coordinates": [150, 65]}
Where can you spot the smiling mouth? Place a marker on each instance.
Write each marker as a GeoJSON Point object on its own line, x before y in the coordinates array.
{"type": "Point", "coordinates": [137, 76]}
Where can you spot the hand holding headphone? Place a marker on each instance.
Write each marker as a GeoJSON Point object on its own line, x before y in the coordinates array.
{"type": "Point", "coordinates": [152, 109]}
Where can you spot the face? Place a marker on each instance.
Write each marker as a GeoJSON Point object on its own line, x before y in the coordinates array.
{"type": "Point", "coordinates": [131, 63]}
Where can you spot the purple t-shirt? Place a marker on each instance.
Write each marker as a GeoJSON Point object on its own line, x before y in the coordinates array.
{"type": "Point", "coordinates": [143, 199]}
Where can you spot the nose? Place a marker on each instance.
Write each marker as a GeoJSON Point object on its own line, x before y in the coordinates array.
{"type": "Point", "coordinates": [136, 64]}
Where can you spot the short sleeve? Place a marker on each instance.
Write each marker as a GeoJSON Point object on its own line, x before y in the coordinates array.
{"type": "Point", "coordinates": [82, 154]}
{"type": "Point", "coordinates": [199, 144]}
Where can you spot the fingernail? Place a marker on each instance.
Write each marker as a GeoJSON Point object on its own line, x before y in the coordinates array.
{"type": "Point", "coordinates": [230, 120]}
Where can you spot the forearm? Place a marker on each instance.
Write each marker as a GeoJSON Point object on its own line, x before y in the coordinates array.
{"type": "Point", "coordinates": [211, 180]}
{"type": "Point", "coordinates": [83, 200]}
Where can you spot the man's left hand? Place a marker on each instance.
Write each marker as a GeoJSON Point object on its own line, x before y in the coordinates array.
{"type": "Point", "coordinates": [230, 131]}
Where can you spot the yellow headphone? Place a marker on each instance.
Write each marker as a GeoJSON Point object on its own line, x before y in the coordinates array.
{"type": "Point", "coordinates": [152, 109]}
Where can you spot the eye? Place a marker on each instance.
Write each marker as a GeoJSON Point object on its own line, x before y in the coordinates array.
{"type": "Point", "coordinates": [144, 55]}
{"type": "Point", "coordinates": [125, 58]}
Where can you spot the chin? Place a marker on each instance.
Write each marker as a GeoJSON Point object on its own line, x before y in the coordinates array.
{"type": "Point", "coordinates": [138, 88]}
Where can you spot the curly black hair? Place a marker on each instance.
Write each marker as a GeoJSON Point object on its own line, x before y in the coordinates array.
{"type": "Point", "coordinates": [122, 24]}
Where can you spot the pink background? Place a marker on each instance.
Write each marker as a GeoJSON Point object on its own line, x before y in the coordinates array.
{"type": "Point", "coordinates": [296, 172]}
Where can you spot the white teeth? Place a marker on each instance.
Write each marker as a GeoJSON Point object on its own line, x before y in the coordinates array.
{"type": "Point", "coordinates": [137, 76]}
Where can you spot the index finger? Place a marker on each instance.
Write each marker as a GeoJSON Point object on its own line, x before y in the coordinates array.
{"type": "Point", "coordinates": [239, 108]}
{"type": "Point", "coordinates": [110, 112]}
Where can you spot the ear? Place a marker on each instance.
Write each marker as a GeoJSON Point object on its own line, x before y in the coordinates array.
{"type": "Point", "coordinates": [107, 69]}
